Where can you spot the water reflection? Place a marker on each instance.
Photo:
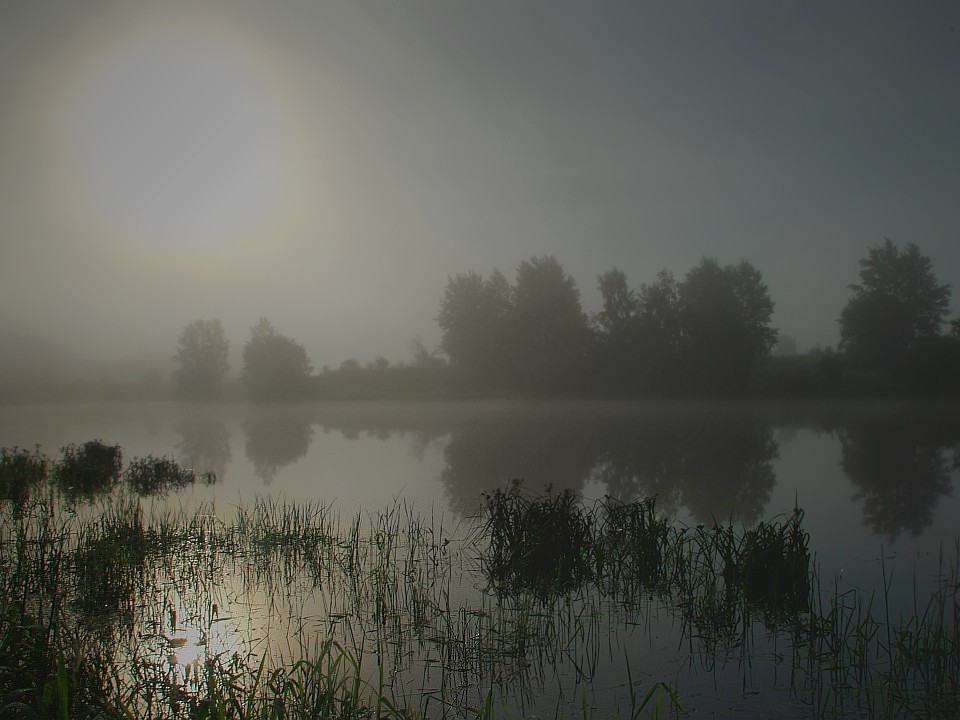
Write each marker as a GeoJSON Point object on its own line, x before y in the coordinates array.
{"type": "Point", "coordinates": [482, 456]}
{"type": "Point", "coordinates": [718, 468]}
{"type": "Point", "coordinates": [277, 437]}
{"type": "Point", "coordinates": [204, 444]}
{"type": "Point", "coordinates": [900, 468]}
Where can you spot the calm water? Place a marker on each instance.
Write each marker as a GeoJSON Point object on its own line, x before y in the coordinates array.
{"type": "Point", "coordinates": [873, 477]}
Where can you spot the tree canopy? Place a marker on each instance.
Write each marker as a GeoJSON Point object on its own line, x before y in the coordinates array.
{"type": "Point", "coordinates": [530, 336]}
{"type": "Point", "coordinates": [725, 325]}
{"type": "Point", "coordinates": [708, 332]}
{"type": "Point", "coordinates": [202, 356]}
{"type": "Point", "coordinates": [275, 367]}
{"type": "Point", "coordinates": [897, 305]}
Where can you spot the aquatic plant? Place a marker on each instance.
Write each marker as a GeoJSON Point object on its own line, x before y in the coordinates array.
{"type": "Point", "coordinates": [409, 618]}
{"type": "Point", "coordinates": [158, 475]}
{"type": "Point", "coordinates": [632, 544]}
{"type": "Point", "coordinates": [109, 561]}
{"type": "Point", "coordinates": [771, 565]}
{"type": "Point", "coordinates": [20, 471]}
{"type": "Point", "coordinates": [541, 544]}
{"type": "Point", "coordinates": [89, 469]}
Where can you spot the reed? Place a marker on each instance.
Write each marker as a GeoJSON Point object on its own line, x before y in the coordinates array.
{"type": "Point", "coordinates": [89, 469]}
{"type": "Point", "coordinates": [96, 601]}
{"type": "Point", "coordinates": [159, 475]}
{"type": "Point", "coordinates": [20, 472]}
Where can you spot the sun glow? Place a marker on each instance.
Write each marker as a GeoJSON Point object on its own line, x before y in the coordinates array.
{"type": "Point", "coordinates": [181, 136]}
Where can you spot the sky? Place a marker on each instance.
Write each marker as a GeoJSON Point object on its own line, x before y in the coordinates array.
{"type": "Point", "coordinates": [329, 165]}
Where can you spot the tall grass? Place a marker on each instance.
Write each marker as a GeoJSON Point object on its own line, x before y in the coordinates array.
{"type": "Point", "coordinates": [129, 610]}
{"type": "Point", "coordinates": [89, 469]}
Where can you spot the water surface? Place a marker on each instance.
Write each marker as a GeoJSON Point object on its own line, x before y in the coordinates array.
{"type": "Point", "coordinates": [876, 481]}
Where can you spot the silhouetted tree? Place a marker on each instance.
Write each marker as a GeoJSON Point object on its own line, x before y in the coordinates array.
{"type": "Point", "coordinates": [620, 305]}
{"type": "Point", "coordinates": [725, 325]}
{"type": "Point", "coordinates": [202, 352]}
{"type": "Point", "coordinates": [275, 367]}
{"type": "Point", "coordinates": [616, 326]}
{"type": "Point", "coordinates": [659, 307]}
{"type": "Point", "coordinates": [549, 330]}
{"type": "Point", "coordinates": [897, 305]}
{"type": "Point", "coordinates": [474, 320]}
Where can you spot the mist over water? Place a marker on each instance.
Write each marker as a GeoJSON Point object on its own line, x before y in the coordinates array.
{"type": "Point", "coordinates": [866, 474]}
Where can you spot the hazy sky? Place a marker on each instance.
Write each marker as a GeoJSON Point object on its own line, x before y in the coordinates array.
{"type": "Point", "coordinates": [329, 164]}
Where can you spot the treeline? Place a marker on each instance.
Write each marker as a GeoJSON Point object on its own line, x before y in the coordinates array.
{"type": "Point", "coordinates": [708, 332]}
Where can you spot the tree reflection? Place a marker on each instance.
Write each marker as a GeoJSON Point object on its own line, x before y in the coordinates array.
{"type": "Point", "coordinates": [204, 444]}
{"type": "Point", "coordinates": [717, 467]}
{"type": "Point", "coordinates": [728, 472]}
{"type": "Point", "coordinates": [642, 461]}
{"type": "Point", "coordinates": [276, 438]}
{"type": "Point", "coordinates": [484, 456]}
{"type": "Point", "coordinates": [900, 469]}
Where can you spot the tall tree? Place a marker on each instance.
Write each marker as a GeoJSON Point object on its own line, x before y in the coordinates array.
{"type": "Point", "coordinates": [659, 304]}
{"type": "Point", "coordinates": [202, 355]}
{"type": "Point", "coordinates": [550, 330]}
{"type": "Point", "coordinates": [897, 305]}
{"type": "Point", "coordinates": [617, 349]}
{"type": "Point", "coordinates": [725, 325]}
{"type": "Point", "coordinates": [275, 367]}
{"type": "Point", "coordinates": [620, 305]}
{"type": "Point", "coordinates": [474, 319]}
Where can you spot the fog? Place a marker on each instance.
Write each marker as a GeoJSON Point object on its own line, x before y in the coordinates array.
{"type": "Point", "coordinates": [329, 165]}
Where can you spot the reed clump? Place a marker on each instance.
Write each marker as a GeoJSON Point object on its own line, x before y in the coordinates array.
{"type": "Point", "coordinates": [109, 561]}
{"type": "Point", "coordinates": [772, 565]}
{"type": "Point", "coordinates": [407, 619]}
{"type": "Point", "coordinates": [633, 543]}
{"type": "Point", "coordinates": [541, 544]}
{"type": "Point", "coordinates": [20, 472]}
{"type": "Point", "coordinates": [89, 469]}
{"type": "Point", "coordinates": [159, 475]}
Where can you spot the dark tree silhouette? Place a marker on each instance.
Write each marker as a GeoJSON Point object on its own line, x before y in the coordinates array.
{"type": "Point", "coordinates": [202, 354]}
{"type": "Point", "coordinates": [475, 321]}
{"type": "Point", "coordinates": [550, 329]}
{"type": "Point", "coordinates": [619, 351]}
{"type": "Point", "coordinates": [897, 305]}
{"type": "Point", "coordinates": [659, 306]}
{"type": "Point", "coordinates": [275, 367]}
{"type": "Point", "coordinates": [725, 325]}
{"type": "Point", "coordinates": [620, 305]}
{"type": "Point", "coordinates": [531, 337]}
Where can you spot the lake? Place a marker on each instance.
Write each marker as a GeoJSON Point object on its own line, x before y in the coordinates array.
{"type": "Point", "coordinates": [875, 480]}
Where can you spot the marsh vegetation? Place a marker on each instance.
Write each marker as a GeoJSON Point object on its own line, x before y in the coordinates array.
{"type": "Point", "coordinates": [126, 605]}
